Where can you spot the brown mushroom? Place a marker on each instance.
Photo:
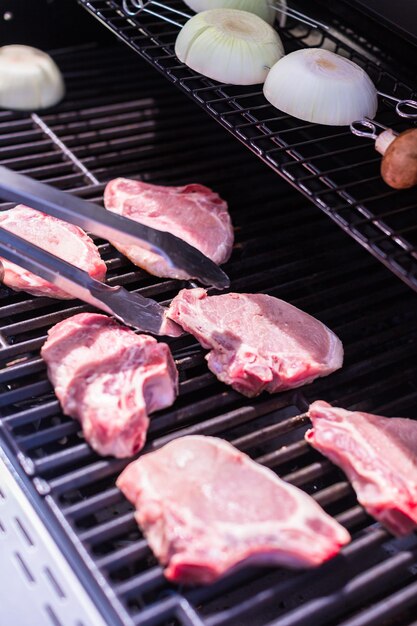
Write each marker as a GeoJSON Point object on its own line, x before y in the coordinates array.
{"type": "Point", "coordinates": [399, 163]}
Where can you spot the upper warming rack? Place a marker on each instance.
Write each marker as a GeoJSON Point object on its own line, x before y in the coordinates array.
{"type": "Point", "coordinates": [336, 170]}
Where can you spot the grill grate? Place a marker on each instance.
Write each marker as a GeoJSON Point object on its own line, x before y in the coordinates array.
{"type": "Point", "coordinates": [115, 123]}
{"type": "Point", "coordinates": [337, 171]}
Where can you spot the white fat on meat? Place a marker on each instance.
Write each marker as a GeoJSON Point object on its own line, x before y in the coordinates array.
{"type": "Point", "coordinates": [206, 508]}
{"type": "Point", "coordinates": [257, 342]}
{"type": "Point", "coordinates": [193, 213]}
{"type": "Point", "coordinates": [110, 379]}
{"type": "Point", "coordinates": [66, 241]}
{"type": "Point", "coordinates": [378, 455]}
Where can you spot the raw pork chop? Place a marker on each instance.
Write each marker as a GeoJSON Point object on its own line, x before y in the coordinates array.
{"type": "Point", "coordinates": [379, 456]}
{"type": "Point", "coordinates": [257, 342]}
{"type": "Point", "coordinates": [193, 213]}
{"type": "Point", "coordinates": [205, 508]}
{"type": "Point", "coordinates": [55, 236]}
{"type": "Point", "coordinates": [109, 379]}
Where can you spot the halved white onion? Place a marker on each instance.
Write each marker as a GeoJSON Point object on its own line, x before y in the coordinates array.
{"type": "Point", "coordinates": [29, 79]}
{"type": "Point", "coordinates": [229, 45]}
{"type": "Point", "coordinates": [321, 87]}
{"type": "Point", "coordinates": [263, 8]}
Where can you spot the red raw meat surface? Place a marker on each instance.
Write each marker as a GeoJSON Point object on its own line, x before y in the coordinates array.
{"type": "Point", "coordinates": [257, 342]}
{"type": "Point", "coordinates": [206, 508]}
{"type": "Point", "coordinates": [379, 456]}
{"type": "Point", "coordinates": [64, 240]}
{"type": "Point", "coordinates": [193, 213]}
{"type": "Point", "coordinates": [110, 379]}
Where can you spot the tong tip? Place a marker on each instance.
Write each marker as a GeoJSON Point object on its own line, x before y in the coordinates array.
{"type": "Point", "coordinates": [217, 279]}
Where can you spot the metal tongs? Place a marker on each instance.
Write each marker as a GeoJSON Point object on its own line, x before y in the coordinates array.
{"type": "Point", "coordinates": [130, 308]}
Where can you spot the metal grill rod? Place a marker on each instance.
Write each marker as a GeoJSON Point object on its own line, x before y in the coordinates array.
{"type": "Point", "coordinates": [373, 581]}
{"type": "Point", "coordinates": [387, 608]}
{"type": "Point", "coordinates": [298, 581]}
{"type": "Point", "coordinates": [66, 151]}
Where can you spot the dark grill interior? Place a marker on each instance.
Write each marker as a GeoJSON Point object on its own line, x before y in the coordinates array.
{"type": "Point", "coordinates": [120, 117]}
{"type": "Point", "coordinates": [336, 170]}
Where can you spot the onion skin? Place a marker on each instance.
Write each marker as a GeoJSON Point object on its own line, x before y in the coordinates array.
{"type": "Point", "coordinates": [230, 46]}
{"type": "Point", "coordinates": [29, 79]}
{"type": "Point", "coordinates": [321, 87]}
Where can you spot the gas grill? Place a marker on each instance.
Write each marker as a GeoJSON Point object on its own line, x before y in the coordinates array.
{"type": "Point", "coordinates": [72, 553]}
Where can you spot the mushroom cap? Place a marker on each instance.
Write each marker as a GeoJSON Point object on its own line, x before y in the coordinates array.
{"type": "Point", "coordinates": [399, 164]}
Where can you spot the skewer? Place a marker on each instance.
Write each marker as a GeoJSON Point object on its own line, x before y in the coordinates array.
{"type": "Point", "coordinates": [401, 105]}
{"type": "Point", "coordinates": [141, 5]}
{"type": "Point", "coordinates": [371, 126]}
{"type": "Point", "coordinates": [399, 162]}
{"type": "Point", "coordinates": [300, 17]}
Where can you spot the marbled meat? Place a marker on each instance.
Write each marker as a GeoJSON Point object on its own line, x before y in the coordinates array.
{"type": "Point", "coordinates": [110, 379]}
{"type": "Point", "coordinates": [257, 342]}
{"type": "Point", "coordinates": [64, 240]}
{"type": "Point", "coordinates": [193, 213]}
{"type": "Point", "coordinates": [206, 508]}
{"type": "Point", "coordinates": [378, 455]}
